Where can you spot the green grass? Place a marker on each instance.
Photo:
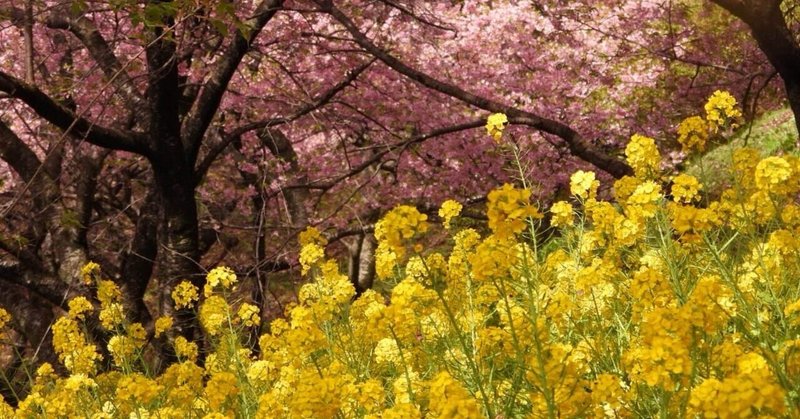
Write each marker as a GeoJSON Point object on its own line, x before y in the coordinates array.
{"type": "Point", "coordinates": [772, 133]}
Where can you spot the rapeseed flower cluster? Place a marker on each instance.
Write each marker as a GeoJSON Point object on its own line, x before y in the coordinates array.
{"type": "Point", "coordinates": [185, 294]}
{"type": "Point", "coordinates": [449, 210]}
{"type": "Point", "coordinates": [495, 125]}
{"type": "Point", "coordinates": [721, 110]}
{"type": "Point", "coordinates": [509, 209]}
{"type": "Point", "coordinates": [658, 303]}
{"type": "Point", "coordinates": [584, 184]}
{"type": "Point", "coordinates": [685, 188]}
{"type": "Point", "coordinates": [693, 134]}
{"type": "Point", "coordinates": [643, 156]}
{"type": "Point", "coordinates": [393, 232]}
{"type": "Point", "coordinates": [5, 318]}
{"type": "Point", "coordinates": [562, 214]}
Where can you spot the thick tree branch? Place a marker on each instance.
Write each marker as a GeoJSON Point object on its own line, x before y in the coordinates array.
{"type": "Point", "coordinates": [163, 95]}
{"type": "Point", "coordinates": [576, 143]}
{"type": "Point", "coordinates": [102, 53]}
{"type": "Point", "coordinates": [207, 102]}
{"type": "Point", "coordinates": [46, 285]}
{"type": "Point", "coordinates": [139, 260]}
{"type": "Point", "coordinates": [38, 182]}
{"type": "Point", "coordinates": [738, 7]}
{"type": "Point", "coordinates": [27, 29]}
{"type": "Point", "coordinates": [21, 252]}
{"type": "Point", "coordinates": [317, 103]}
{"type": "Point", "coordinates": [67, 121]}
{"type": "Point", "coordinates": [89, 166]}
{"type": "Point", "coordinates": [17, 154]}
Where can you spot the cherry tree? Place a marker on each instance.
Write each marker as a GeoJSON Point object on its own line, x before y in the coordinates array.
{"type": "Point", "coordinates": [161, 138]}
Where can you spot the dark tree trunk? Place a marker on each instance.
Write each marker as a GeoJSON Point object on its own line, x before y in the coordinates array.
{"type": "Point", "coordinates": [179, 240]}
{"type": "Point", "coordinates": [174, 179]}
{"type": "Point", "coordinates": [138, 262]}
{"type": "Point", "coordinates": [361, 268]}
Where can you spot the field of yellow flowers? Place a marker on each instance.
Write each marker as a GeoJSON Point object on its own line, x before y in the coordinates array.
{"type": "Point", "coordinates": [663, 302]}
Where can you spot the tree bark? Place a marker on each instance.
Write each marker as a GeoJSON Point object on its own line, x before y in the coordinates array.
{"type": "Point", "coordinates": [361, 269]}
{"type": "Point", "coordinates": [138, 261]}
{"type": "Point", "coordinates": [28, 34]}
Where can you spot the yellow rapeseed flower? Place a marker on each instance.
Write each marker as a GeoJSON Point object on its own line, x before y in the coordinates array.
{"type": "Point", "coordinates": [562, 214]}
{"type": "Point", "coordinates": [772, 174]}
{"type": "Point", "coordinates": [214, 314]}
{"type": "Point", "coordinates": [184, 295]}
{"type": "Point", "coordinates": [112, 315]}
{"type": "Point", "coordinates": [163, 324]}
{"type": "Point", "coordinates": [495, 125]}
{"type": "Point", "coordinates": [398, 226]}
{"type": "Point", "coordinates": [249, 315]}
{"type": "Point", "coordinates": [685, 188]}
{"type": "Point", "coordinates": [449, 399]}
{"type": "Point", "coordinates": [310, 255]}
{"type": "Point", "coordinates": [509, 209]}
{"type": "Point", "coordinates": [624, 187]}
{"type": "Point", "coordinates": [449, 210]}
{"type": "Point", "coordinates": [90, 272]}
{"type": "Point", "coordinates": [583, 184]}
{"type": "Point", "coordinates": [693, 134]}
{"type": "Point", "coordinates": [5, 318]}
{"type": "Point", "coordinates": [644, 200]}
{"type": "Point", "coordinates": [387, 352]}
{"type": "Point", "coordinates": [721, 109]}
{"type": "Point", "coordinates": [385, 260]}
{"type": "Point", "coordinates": [402, 410]}
{"type": "Point", "coordinates": [123, 349]}
{"type": "Point", "coordinates": [184, 349]}
{"type": "Point", "coordinates": [108, 292]}
{"type": "Point", "coordinates": [221, 386]}
{"type": "Point", "coordinates": [221, 276]}
{"type": "Point", "coordinates": [312, 235]}
{"type": "Point", "coordinates": [643, 156]}
{"type": "Point", "coordinates": [78, 307]}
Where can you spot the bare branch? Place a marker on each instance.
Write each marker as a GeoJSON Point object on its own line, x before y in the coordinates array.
{"type": "Point", "coordinates": [317, 103]}
{"type": "Point", "coordinates": [17, 154]}
{"type": "Point", "coordinates": [377, 157]}
{"type": "Point", "coordinates": [28, 34]}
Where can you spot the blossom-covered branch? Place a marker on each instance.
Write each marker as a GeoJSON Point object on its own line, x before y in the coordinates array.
{"type": "Point", "coordinates": [207, 102]}
{"type": "Point", "coordinates": [67, 120]}
{"type": "Point", "coordinates": [576, 143]}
